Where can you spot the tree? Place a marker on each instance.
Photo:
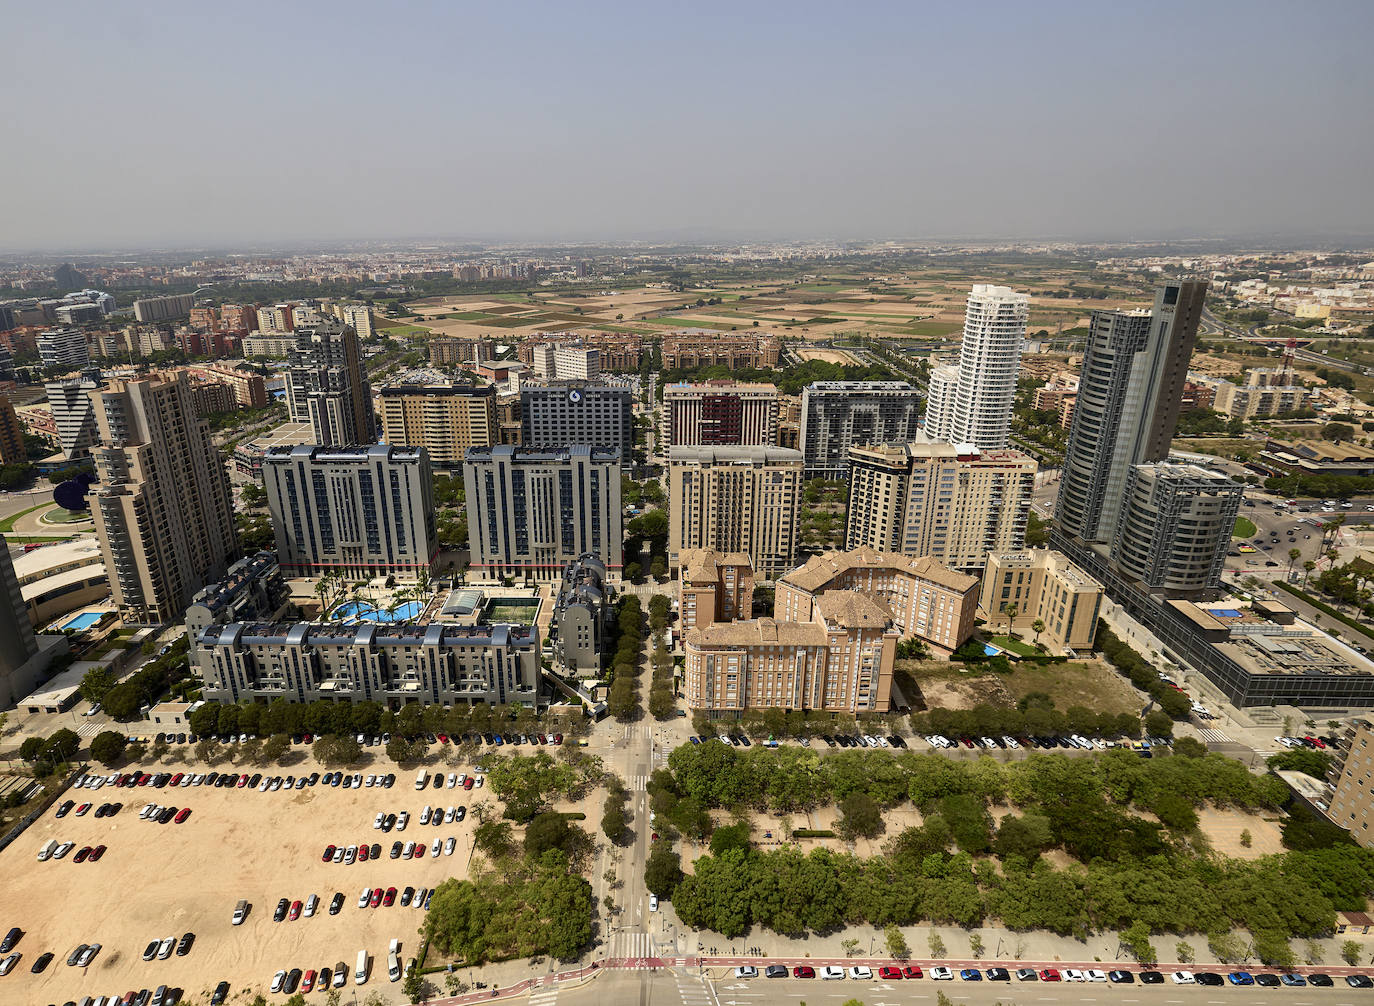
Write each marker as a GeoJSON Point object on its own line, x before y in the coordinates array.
{"type": "Point", "coordinates": [276, 747]}
{"type": "Point", "coordinates": [851, 946]}
{"type": "Point", "coordinates": [107, 747]}
{"type": "Point", "coordinates": [896, 943]}
{"type": "Point", "coordinates": [936, 944]}
{"type": "Point", "coordinates": [336, 749]}
{"type": "Point", "coordinates": [123, 701]}
{"type": "Point", "coordinates": [633, 571]}
{"type": "Point", "coordinates": [1158, 723]}
{"type": "Point", "coordinates": [62, 745]}
{"type": "Point", "coordinates": [1336, 432]}
{"type": "Point", "coordinates": [1137, 940]}
{"type": "Point", "coordinates": [1225, 946]}
{"type": "Point", "coordinates": [860, 816]}
{"type": "Point", "coordinates": [1350, 952]}
{"type": "Point", "coordinates": [975, 945]}
{"type": "Point", "coordinates": [31, 748]}
{"type": "Point", "coordinates": [663, 871]}
{"type": "Point", "coordinates": [414, 984]}
{"type": "Point", "coordinates": [1184, 950]}
{"type": "Point", "coordinates": [1246, 839]}
{"type": "Point", "coordinates": [1190, 747]}
{"type": "Point", "coordinates": [549, 830]}
{"type": "Point", "coordinates": [1038, 626]}
{"type": "Point", "coordinates": [96, 683]}
{"type": "Point", "coordinates": [658, 568]}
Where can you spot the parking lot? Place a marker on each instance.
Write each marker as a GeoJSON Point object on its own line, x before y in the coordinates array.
{"type": "Point", "coordinates": [159, 880]}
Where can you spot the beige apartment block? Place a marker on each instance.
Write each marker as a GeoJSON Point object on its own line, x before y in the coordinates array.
{"type": "Point", "coordinates": [1043, 585]}
{"type": "Point", "coordinates": [735, 499]}
{"type": "Point", "coordinates": [445, 419]}
{"type": "Point", "coordinates": [714, 587]}
{"type": "Point", "coordinates": [1352, 807]}
{"type": "Point", "coordinates": [719, 413]}
{"type": "Point", "coordinates": [923, 599]}
{"type": "Point", "coordinates": [953, 503]}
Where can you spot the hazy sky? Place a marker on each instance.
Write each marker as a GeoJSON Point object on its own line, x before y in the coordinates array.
{"type": "Point", "coordinates": [244, 122]}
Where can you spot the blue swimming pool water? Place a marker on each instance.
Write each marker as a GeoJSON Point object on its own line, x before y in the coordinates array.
{"type": "Point", "coordinates": [1225, 612]}
{"type": "Point", "coordinates": [354, 611]}
{"type": "Point", "coordinates": [84, 620]}
{"type": "Point", "coordinates": [991, 650]}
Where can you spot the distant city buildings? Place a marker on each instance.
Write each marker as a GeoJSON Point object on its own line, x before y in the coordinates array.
{"type": "Point", "coordinates": [248, 387]}
{"type": "Point", "coordinates": [326, 385]}
{"type": "Point", "coordinates": [357, 317]}
{"type": "Point", "coordinates": [446, 419]}
{"type": "Point", "coordinates": [149, 310]}
{"type": "Point", "coordinates": [735, 499]}
{"type": "Point", "coordinates": [271, 346]}
{"type": "Point", "coordinates": [360, 511]}
{"type": "Point", "coordinates": [952, 503]}
{"type": "Point", "coordinates": [557, 415]}
{"type": "Point", "coordinates": [533, 511]}
{"type": "Point", "coordinates": [701, 347]}
{"type": "Point", "coordinates": [838, 415]}
{"type": "Point", "coordinates": [617, 352]}
{"type": "Point", "coordinates": [973, 404]}
{"type": "Point", "coordinates": [161, 508]}
{"type": "Point", "coordinates": [719, 413]}
{"type": "Point", "coordinates": [447, 351]}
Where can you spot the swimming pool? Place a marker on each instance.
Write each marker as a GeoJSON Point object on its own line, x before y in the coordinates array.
{"type": "Point", "coordinates": [991, 650]}
{"type": "Point", "coordinates": [357, 611]}
{"type": "Point", "coordinates": [84, 621]}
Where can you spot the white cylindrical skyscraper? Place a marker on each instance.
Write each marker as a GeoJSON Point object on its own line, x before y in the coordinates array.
{"type": "Point", "coordinates": [989, 359]}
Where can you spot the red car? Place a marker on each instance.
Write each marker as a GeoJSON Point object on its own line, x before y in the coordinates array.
{"type": "Point", "coordinates": [176, 779]}
{"type": "Point", "coordinates": [1050, 975]}
{"type": "Point", "coordinates": [183, 815]}
{"type": "Point", "coordinates": [81, 855]}
{"type": "Point", "coordinates": [295, 912]}
{"type": "Point", "coordinates": [96, 853]}
{"type": "Point", "coordinates": [309, 738]}
{"type": "Point", "coordinates": [913, 971]}
{"type": "Point", "coordinates": [308, 982]}
{"type": "Point", "coordinates": [419, 850]}
{"type": "Point", "coordinates": [558, 738]}
{"type": "Point", "coordinates": [390, 898]}
{"type": "Point", "coordinates": [143, 779]}
{"type": "Point", "coordinates": [443, 738]}
{"type": "Point", "coordinates": [376, 898]}
{"type": "Point", "coordinates": [467, 783]}
{"type": "Point", "coordinates": [80, 811]}
{"type": "Point", "coordinates": [328, 854]}
{"type": "Point", "coordinates": [890, 973]}
{"type": "Point", "coordinates": [803, 971]}
{"type": "Point", "coordinates": [243, 781]}
{"type": "Point", "coordinates": [362, 853]}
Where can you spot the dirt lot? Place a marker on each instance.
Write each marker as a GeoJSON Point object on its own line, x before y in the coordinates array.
{"type": "Point", "coordinates": [163, 880]}
{"type": "Point", "coordinates": [827, 355]}
{"type": "Point", "coordinates": [1091, 684]}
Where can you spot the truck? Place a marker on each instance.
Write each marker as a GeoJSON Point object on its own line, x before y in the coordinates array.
{"type": "Point", "coordinates": [45, 853]}
{"type": "Point", "coordinates": [360, 973]}
{"type": "Point", "coordinates": [421, 779]}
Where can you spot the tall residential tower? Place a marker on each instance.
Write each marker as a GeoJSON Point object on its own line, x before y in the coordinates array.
{"type": "Point", "coordinates": [974, 406]}
{"type": "Point", "coordinates": [326, 386]}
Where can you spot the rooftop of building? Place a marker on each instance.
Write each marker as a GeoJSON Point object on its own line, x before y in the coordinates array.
{"type": "Point", "coordinates": [85, 550]}
{"type": "Point", "coordinates": [1057, 562]}
{"type": "Point", "coordinates": [722, 385]}
{"type": "Point", "coordinates": [702, 566]}
{"type": "Point", "coordinates": [1176, 471]}
{"type": "Point", "coordinates": [431, 383]}
{"type": "Point", "coordinates": [734, 454]}
{"type": "Point", "coordinates": [925, 448]}
{"type": "Point", "coordinates": [851, 610]}
{"type": "Point", "coordinates": [820, 570]}
{"type": "Point", "coordinates": [369, 634]}
{"type": "Point", "coordinates": [241, 574]}
{"type": "Point", "coordinates": [539, 455]}
{"type": "Point", "coordinates": [758, 632]}
{"type": "Point", "coordinates": [354, 454]}
{"type": "Point", "coordinates": [851, 386]}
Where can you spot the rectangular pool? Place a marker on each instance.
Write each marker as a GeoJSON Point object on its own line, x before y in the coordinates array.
{"type": "Point", "coordinates": [85, 620]}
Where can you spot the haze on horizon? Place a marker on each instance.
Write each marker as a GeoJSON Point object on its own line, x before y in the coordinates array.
{"type": "Point", "coordinates": [167, 124]}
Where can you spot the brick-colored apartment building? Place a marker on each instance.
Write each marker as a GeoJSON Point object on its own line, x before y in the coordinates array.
{"type": "Point", "coordinates": [700, 347]}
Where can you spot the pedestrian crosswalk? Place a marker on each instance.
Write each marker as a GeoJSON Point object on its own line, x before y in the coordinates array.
{"type": "Point", "coordinates": [692, 990]}
{"type": "Point", "coordinates": [632, 945]}
{"type": "Point", "coordinates": [1214, 736]}
{"type": "Point", "coordinates": [544, 996]}
{"type": "Point", "coordinates": [88, 729]}
{"type": "Point", "coordinates": [639, 783]}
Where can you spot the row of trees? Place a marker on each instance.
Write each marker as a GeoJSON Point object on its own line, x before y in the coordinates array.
{"type": "Point", "coordinates": [124, 699]}
{"type": "Point", "coordinates": [48, 754]}
{"type": "Point", "coordinates": [623, 702]}
{"type": "Point", "coordinates": [663, 691]}
{"type": "Point", "coordinates": [1035, 715]}
{"type": "Point", "coordinates": [1143, 674]}
{"type": "Point", "coordinates": [1320, 486]}
{"type": "Point", "coordinates": [1275, 898]}
{"type": "Point", "coordinates": [526, 783]}
{"type": "Point", "coordinates": [790, 779]}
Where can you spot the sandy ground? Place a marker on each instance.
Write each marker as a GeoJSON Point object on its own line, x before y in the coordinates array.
{"type": "Point", "coordinates": [826, 355]}
{"type": "Point", "coordinates": [1223, 827]}
{"type": "Point", "coordinates": [163, 880]}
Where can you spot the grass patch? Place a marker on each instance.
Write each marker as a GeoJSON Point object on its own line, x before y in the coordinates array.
{"type": "Point", "coordinates": [25, 539]}
{"type": "Point", "coordinates": [723, 326]}
{"type": "Point", "coordinates": [932, 328]}
{"type": "Point", "coordinates": [7, 524]}
{"type": "Point", "coordinates": [1074, 684]}
{"type": "Point", "coordinates": [1015, 645]}
{"type": "Point", "coordinates": [402, 329]}
{"type": "Point", "coordinates": [1245, 528]}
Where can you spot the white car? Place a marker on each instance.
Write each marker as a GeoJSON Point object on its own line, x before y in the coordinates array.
{"type": "Point", "coordinates": [339, 855]}
{"type": "Point", "coordinates": [477, 780]}
{"type": "Point", "coordinates": [450, 845]}
{"type": "Point", "coordinates": [278, 980]}
{"type": "Point", "coordinates": [1183, 978]}
{"type": "Point", "coordinates": [436, 848]}
{"type": "Point", "coordinates": [364, 897]}
{"type": "Point", "coordinates": [1073, 975]}
{"type": "Point", "coordinates": [370, 781]}
{"type": "Point", "coordinates": [942, 974]}
{"type": "Point", "coordinates": [350, 855]}
{"type": "Point", "coordinates": [653, 902]}
{"type": "Point", "coordinates": [448, 815]}
{"type": "Point", "coordinates": [1096, 976]}
{"type": "Point", "coordinates": [379, 820]}
{"type": "Point", "coordinates": [462, 778]}
{"type": "Point", "coordinates": [832, 973]}
{"type": "Point", "coordinates": [453, 780]}
{"type": "Point", "coordinates": [1011, 742]}
{"type": "Point", "coordinates": [311, 903]}
{"type": "Point", "coordinates": [402, 820]}
{"type": "Point", "coordinates": [860, 972]}
{"type": "Point", "coordinates": [425, 813]}
{"type": "Point", "coordinates": [419, 900]}
{"type": "Point", "coordinates": [7, 965]}
{"type": "Point", "coordinates": [746, 971]}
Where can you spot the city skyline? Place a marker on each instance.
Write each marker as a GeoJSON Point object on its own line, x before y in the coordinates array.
{"type": "Point", "coordinates": [1063, 88]}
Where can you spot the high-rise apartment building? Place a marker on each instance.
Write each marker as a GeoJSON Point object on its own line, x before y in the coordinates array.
{"type": "Point", "coordinates": [531, 511]}
{"type": "Point", "coordinates": [1175, 526]}
{"type": "Point", "coordinates": [598, 415]}
{"type": "Point", "coordinates": [12, 450]}
{"type": "Point", "coordinates": [149, 310]}
{"type": "Point", "coordinates": [735, 499]}
{"type": "Point", "coordinates": [714, 587]}
{"type": "Point", "coordinates": [360, 511]}
{"type": "Point", "coordinates": [1135, 364]}
{"type": "Point", "coordinates": [975, 408]}
{"type": "Point", "coordinates": [445, 419]}
{"type": "Point", "coordinates": [162, 509]}
{"type": "Point", "coordinates": [838, 415]}
{"type": "Point", "coordinates": [563, 361]}
{"type": "Point", "coordinates": [21, 665]}
{"type": "Point", "coordinates": [238, 317]}
{"type": "Point", "coordinates": [278, 319]}
{"type": "Point", "coordinates": [448, 351]}
{"type": "Point", "coordinates": [248, 386]}
{"type": "Point", "coordinates": [73, 413]}
{"type": "Point", "coordinates": [1040, 585]}
{"type": "Point", "coordinates": [952, 503]}
{"type": "Point", "coordinates": [357, 317]}
{"type": "Point", "coordinates": [326, 386]}
{"type": "Point", "coordinates": [719, 413]}
{"type": "Point", "coordinates": [64, 347]}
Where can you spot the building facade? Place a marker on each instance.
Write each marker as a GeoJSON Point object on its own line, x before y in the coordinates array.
{"type": "Point", "coordinates": [64, 347]}
{"type": "Point", "coordinates": [719, 413]}
{"type": "Point", "coordinates": [699, 347]}
{"type": "Point", "coordinates": [555, 416]}
{"type": "Point", "coordinates": [714, 587]}
{"type": "Point", "coordinates": [360, 511]}
{"type": "Point", "coordinates": [1044, 586]}
{"type": "Point", "coordinates": [565, 361]}
{"type": "Point", "coordinates": [735, 499]}
{"type": "Point", "coordinates": [581, 615]}
{"type": "Point", "coordinates": [1352, 806]}
{"type": "Point", "coordinates": [448, 351]}
{"type": "Point", "coordinates": [838, 415]}
{"type": "Point", "coordinates": [326, 386]}
{"type": "Point", "coordinates": [357, 317]}
{"type": "Point", "coordinates": [922, 599]}
{"type": "Point", "coordinates": [248, 386]}
{"type": "Point", "coordinates": [270, 346]}
{"type": "Point", "coordinates": [252, 591]}
{"type": "Point", "coordinates": [989, 360]}
{"type": "Point", "coordinates": [432, 664]}
{"type": "Point", "coordinates": [150, 310]}
{"type": "Point", "coordinates": [162, 508]}
{"type": "Point", "coordinates": [532, 512]}
{"type": "Point", "coordinates": [952, 503]}
{"type": "Point", "coordinates": [446, 420]}
{"type": "Point", "coordinates": [12, 449]}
